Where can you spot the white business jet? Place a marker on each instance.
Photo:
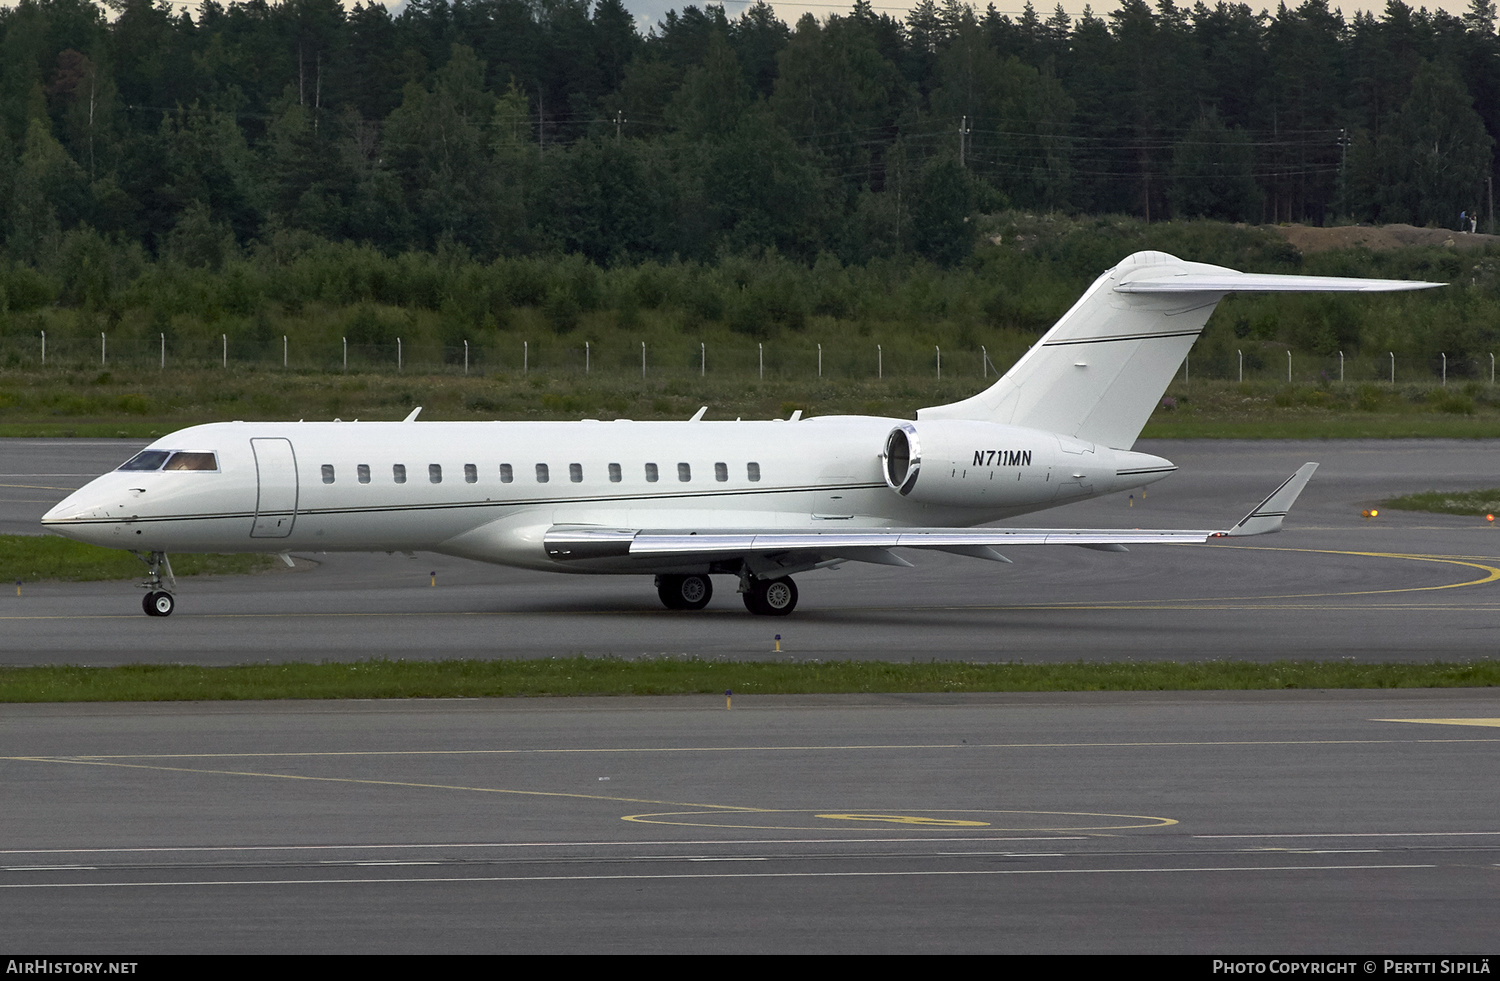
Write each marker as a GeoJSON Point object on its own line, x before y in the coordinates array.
{"type": "Point", "coordinates": [684, 501]}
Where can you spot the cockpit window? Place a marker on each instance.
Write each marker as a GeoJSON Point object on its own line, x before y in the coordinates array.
{"type": "Point", "coordinates": [146, 460]}
{"type": "Point", "coordinates": [193, 461]}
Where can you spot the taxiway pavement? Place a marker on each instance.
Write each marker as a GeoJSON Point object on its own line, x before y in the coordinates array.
{"type": "Point", "coordinates": [1223, 823]}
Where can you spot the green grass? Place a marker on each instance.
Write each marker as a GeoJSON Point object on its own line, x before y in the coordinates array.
{"type": "Point", "coordinates": [37, 558]}
{"type": "Point", "coordinates": [1472, 503]}
{"type": "Point", "coordinates": [147, 403]}
{"type": "Point", "coordinates": [691, 676]}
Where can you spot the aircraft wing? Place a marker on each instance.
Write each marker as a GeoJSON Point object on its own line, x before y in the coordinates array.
{"type": "Point", "coordinates": [573, 542]}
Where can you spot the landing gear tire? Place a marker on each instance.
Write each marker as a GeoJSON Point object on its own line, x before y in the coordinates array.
{"type": "Point", "coordinates": [684, 592]}
{"type": "Point", "coordinates": [158, 603]}
{"type": "Point", "coordinates": [771, 597]}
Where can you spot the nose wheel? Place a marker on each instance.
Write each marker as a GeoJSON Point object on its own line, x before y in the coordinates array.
{"type": "Point", "coordinates": [158, 603]}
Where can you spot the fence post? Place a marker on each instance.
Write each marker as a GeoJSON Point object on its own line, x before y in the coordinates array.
{"type": "Point", "coordinates": [284, 351]}
{"type": "Point", "coordinates": [225, 339]}
{"type": "Point", "coordinates": [44, 355]}
{"type": "Point", "coordinates": [820, 361]}
{"type": "Point", "coordinates": [398, 354]}
{"type": "Point", "coordinates": [702, 359]}
{"type": "Point", "coordinates": [1444, 355]}
{"type": "Point", "coordinates": [879, 362]}
{"type": "Point", "coordinates": [1289, 367]}
{"type": "Point", "coordinates": [346, 353]}
{"type": "Point", "coordinates": [163, 351]}
{"type": "Point", "coordinates": [466, 357]}
{"type": "Point", "coordinates": [1341, 367]}
{"type": "Point", "coordinates": [1393, 366]}
{"type": "Point", "coordinates": [939, 361]}
{"type": "Point", "coordinates": [1242, 365]}
{"type": "Point", "coordinates": [761, 353]}
{"type": "Point", "coordinates": [586, 353]}
{"type": "Point", "coordinates": [103, 349]}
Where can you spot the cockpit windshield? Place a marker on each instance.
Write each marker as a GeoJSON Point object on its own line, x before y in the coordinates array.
{"type": "Point", "coordinates": [178, 460]}
{"type": "Point", "coordinates": [146, 460]}
{"type": "Point", "coordinates": [192, 461]}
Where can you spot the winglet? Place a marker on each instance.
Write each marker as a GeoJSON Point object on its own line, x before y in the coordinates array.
{"type": "Point", "coordinates": [1267, 517]}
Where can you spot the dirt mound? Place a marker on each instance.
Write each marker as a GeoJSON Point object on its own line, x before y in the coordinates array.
{"type": "Point", "coordinates": [1378, 238]}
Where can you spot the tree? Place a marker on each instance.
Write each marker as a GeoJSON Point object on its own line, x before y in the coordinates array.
{"type": "Point", "coordinates": [1431, 161]}
{"type": "Point", "coordinates": [1213, 173]}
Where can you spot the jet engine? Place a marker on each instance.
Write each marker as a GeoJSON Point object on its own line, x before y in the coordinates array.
{"type": "Point", "coordinates": [965, 463]}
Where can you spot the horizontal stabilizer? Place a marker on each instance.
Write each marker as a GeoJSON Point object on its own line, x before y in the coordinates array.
{"type": "Point", "coordinates": [1229, 281]}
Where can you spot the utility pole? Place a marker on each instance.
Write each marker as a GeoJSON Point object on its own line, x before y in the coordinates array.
{"type": "Point", "coordinates": [963, 135]}
{"type": "Point", "coordinates": [619, 121]}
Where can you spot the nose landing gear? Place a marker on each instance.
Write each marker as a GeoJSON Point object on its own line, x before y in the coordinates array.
{"type": "Point", "coordinates": [158, 601]}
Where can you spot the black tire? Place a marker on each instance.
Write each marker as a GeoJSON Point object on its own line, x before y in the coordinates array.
{"type": "Point", "coordinates": [772, 597]}
{"type": "Point", "coordinates": [684, 592]}
{"type": "Point", "coordinates": [158, 604]}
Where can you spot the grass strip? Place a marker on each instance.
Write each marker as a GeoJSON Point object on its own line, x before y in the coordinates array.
{"type": "Point", "coordinates": [689, 676]}
{"type": "Point", "coordinates": [1476, 502]}
{"type": "Point", "coordinates": [37, 558]}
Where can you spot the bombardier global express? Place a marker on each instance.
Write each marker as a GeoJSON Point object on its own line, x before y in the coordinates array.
{"type": "Point", "coordinates": [757, 502]}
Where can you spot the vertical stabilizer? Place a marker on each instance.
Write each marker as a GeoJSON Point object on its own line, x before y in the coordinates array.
{"type": "Point", "coordinates": [1099, 372]}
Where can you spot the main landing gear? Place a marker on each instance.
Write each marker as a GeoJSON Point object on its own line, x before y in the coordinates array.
{"type": "Point", "coordinates": [158, 601]}
{"type": "Point", "coordinates": [771, 597]}
{"type": "Point", "coordinates": [684, 592]}
{"type": "Point", "coordinates": [763, 597]}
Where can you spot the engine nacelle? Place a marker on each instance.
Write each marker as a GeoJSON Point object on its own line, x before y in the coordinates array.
{"type": "Point", "coordinates": [971, 464]}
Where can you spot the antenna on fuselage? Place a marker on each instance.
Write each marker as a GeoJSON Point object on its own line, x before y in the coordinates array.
{"type": "Point", "coordinates": [413, 416]}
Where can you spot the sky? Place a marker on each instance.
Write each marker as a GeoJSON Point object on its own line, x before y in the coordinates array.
{"type": "Point", "coordinates": [649, 12]}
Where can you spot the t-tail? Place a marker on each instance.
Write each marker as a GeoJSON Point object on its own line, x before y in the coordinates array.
{"type": "Point", "coordinates": [1101, 370]}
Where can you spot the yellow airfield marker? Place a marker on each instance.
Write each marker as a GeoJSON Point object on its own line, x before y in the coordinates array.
{"type": "Point", "coordinates": [728, 697]}
{"type": "Point", "coordinates": [434, 578]}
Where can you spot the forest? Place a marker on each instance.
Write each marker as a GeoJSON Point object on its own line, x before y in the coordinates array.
{"type": "Point", "coordinates": [206, 176]}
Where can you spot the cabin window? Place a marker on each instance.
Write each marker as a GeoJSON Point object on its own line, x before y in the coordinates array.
{"type": "Point", "coordinates": [327, 473]}
{"type": "Point", "coordinates": [363, 472]}
{"type": "Point", "coordinates": [398, 473]}
{"type": "Point", "coordinates": [575, 472]}
{"type": "Point", "coordinates": [435, 473]}
{"type": "Point", "coordinates": [506, 473]}
{"type": "Point", "coordinates": [614, 473]}
{"type": "Point", "coordinates": [471, 474]}
{"type": "Point", "coordinates": [752, 470]}
{"type": "Point", "coordinates": [146, 460]}
{"type": "Point", "coordinates": [192, 461]}
{"type": "Point", "coordinates": [721, 472]}
{"type": "Point", "coordinates": [542, 476]}
{"type": "Point", "coordinates": [651, 473]}
{"type": "Point", "coordinates": [684, 472]}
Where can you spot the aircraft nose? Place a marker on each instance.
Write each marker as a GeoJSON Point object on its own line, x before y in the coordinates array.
{"type": "Point", "coordinates": [83, 506]}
